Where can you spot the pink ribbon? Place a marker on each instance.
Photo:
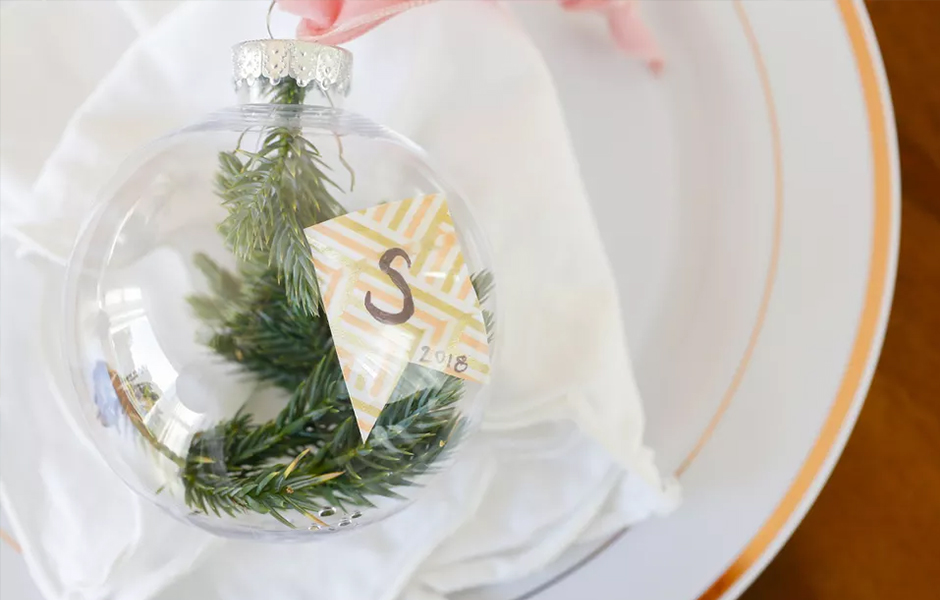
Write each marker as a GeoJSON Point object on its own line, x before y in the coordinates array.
{"type": "Point", "coordinates": [338, 21]}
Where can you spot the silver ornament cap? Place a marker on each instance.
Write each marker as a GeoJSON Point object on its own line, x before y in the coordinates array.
{"type": "Point", "coordinates": [329, 67]}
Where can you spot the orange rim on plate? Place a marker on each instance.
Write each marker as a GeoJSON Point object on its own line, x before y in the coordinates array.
{"type": "Point", "coordinates": [870, 325]}
{"type": "Point", "coordinates": [771, 277]}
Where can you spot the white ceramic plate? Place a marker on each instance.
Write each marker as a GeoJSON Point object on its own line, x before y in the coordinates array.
{"type": "Point", "coordinates": [749, 200]}
{"type": "Point", "coordinates": [750, 204]}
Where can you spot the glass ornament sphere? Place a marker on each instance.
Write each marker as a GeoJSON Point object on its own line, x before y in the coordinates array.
{"type": "Point", "coordinates": [200, 352]}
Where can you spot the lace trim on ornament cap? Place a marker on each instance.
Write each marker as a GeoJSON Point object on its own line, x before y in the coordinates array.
{"type": "Point", "coordinates": [306, 62]}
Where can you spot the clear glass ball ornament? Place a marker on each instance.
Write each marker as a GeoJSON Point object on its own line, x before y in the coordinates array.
{"type": "Point", "coordinates": [199, 346]}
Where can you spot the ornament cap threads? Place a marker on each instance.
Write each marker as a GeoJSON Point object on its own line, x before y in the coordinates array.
{"type": "Point", "coordinates": [306, 62]}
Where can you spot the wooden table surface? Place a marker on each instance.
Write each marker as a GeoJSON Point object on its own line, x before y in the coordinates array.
{"type": "Point", "coordinates": [874, 533]}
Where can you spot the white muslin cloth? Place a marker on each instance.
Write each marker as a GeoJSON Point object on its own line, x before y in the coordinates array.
{"type": "Point", "coordinates": [560, 458]}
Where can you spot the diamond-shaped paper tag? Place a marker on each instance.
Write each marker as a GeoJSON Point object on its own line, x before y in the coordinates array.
{"type": "Point", "coordinates": [396, 290]}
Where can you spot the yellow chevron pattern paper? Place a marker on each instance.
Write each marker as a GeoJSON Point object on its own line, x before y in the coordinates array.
{"type": "Point", "coordinates": [396, 290]}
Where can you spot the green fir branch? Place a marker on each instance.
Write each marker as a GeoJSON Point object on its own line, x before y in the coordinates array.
{"type": "Point", "coordinates": [265, 319]}
{"type": "Point", "coordinates": [271, 196]}
{"type": "Point", "coordinates": [240, 465]}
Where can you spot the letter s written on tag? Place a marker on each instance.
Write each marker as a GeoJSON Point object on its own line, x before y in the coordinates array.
{"type": "Point", "coordinates": [408, 308]}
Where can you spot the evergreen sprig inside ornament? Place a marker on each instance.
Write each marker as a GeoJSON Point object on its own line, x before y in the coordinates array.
{"type": "Point", "coordinates": [311, 455]}
{"type": "Point", "coordinates": [271, 196]}
{"type": "Point", "coordinates": [266, 319]}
